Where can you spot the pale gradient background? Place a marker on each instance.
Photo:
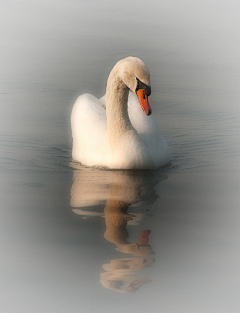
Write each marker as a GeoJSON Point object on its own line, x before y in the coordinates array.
{"type": "Point", "coordinates": [51, 258]}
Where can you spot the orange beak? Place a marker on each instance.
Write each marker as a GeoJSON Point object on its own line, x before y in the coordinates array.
{"type": "Point", "coordinates": [143, 99]}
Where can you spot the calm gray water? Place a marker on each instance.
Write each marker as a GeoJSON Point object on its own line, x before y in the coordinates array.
{"type": "Point", "coordinates": [76, 239]}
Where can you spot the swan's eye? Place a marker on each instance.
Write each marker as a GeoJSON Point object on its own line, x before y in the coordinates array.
{"type": "Point", "coordinates": [141, 85]}
{"type": "Point", "coordinates": [148, 90]}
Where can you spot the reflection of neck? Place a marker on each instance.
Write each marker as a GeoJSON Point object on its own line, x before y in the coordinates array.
{"type": "Point", "coordinates": [116, 218]}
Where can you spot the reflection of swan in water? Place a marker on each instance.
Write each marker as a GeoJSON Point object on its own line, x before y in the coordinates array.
{"type": "Point", "coordinates": [116, 218]}
{"type": "Point", "coordinates": [121, 276]}
{"type": "Point", "coordinates": [91, 187]}
{"type": "Point", "coordinates": [110, 194]}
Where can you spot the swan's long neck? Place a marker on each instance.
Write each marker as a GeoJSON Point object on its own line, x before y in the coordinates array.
{"type": "Point", "coordinates": [118, 121]}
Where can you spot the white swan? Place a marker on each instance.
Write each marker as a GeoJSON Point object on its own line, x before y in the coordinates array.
{"type": "Point", "coordinates": [114, 131]}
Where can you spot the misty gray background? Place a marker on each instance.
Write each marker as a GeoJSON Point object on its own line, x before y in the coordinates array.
{"type": "Point", "coordinates": [52, 51]}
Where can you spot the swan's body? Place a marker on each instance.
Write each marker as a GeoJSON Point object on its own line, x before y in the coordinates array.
{"type": "Point", "coordinates": [121, 136]}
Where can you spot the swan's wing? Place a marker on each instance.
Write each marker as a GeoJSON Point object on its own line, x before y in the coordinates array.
{"type": "Point", "coordinates": [89, 131]}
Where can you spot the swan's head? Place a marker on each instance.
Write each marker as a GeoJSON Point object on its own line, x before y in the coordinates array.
{"type": "Point", "coordinates": [135, 75]}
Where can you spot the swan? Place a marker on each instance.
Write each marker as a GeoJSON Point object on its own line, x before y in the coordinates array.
{"type": "Point", "coordinates": [118, 130]}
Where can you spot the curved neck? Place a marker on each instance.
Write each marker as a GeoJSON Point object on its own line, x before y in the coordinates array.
{"type": "Point", "coordinates": [118, 121]}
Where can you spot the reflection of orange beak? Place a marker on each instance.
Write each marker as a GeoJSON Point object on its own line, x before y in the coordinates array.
{"type": "Point", "coordinates": [143, 99]}
{"type": "Point", "coordinates": [144, 237]}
